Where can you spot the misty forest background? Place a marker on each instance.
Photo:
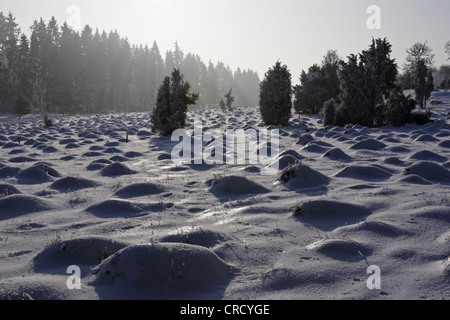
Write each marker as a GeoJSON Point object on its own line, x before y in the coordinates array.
{"type": "Point", "coordinates": [59, 70]}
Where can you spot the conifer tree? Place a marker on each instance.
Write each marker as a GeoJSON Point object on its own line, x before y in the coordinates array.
{"type": "Point", "coordinates": [276, 96]}
{"type": "Point", "coordinates": [366, 81]}
{"type": "Point", "coordinates": [173, 100]}
{"type": "Point", "coordinates": [318, 85]}
{"type": "Point", "coordinates": [227, 105]}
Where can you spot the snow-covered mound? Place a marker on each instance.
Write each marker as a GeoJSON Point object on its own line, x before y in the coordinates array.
{"type": "Point", "coordinates": [101, 192]}
{"type": "Point", "coordinates": [70, 184]}
{"type": "Point", "coordinates": [300, 176]}
{"type": "Point", "coordinates": [236, 185]}
{"type": "Point", "coordinates": [163, 270]}
{"type": "Point", "coordinates": [139, 190]}
{"type": "Point", "coordinates": [20, 204]}
{"type": "Point", "coordinates": [85, 251]}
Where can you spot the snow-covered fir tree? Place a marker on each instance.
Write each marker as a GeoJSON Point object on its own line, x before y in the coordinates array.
{"type": "Point", "coordinates": [173, 100]}
{"type": "Point", "coordinates": [276, 96]}
{"type": "Point", "coordinates": [318, 85]}
{"type": "Point", "coordinates": [366, 81]}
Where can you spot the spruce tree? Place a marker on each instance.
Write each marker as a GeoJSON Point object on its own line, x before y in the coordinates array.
{"type": "Point", "coordinates": [173, 100]}
{"type": "Point", "coordinates": [276, 96]}
{"type": "Point", "coordinates": [24, 73]}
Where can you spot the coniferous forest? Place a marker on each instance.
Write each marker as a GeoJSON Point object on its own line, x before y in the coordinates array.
{"type": "Point", "coordinates": [59, 70]}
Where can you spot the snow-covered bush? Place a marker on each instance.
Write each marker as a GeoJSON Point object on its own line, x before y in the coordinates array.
{"type": "Point", "coordinates": [47, 122]}
{"type": "Point", "coordinates": [329, 112]}
{"type": "Point", "coordinates": [398, 109]}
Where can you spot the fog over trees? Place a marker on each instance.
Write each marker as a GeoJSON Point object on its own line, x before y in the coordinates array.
{"type": "Point", "coordinates": [59, 70]}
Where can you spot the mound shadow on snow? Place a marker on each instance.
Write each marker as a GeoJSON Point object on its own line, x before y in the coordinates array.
{"type": "Point", "coordinates": [200, 237]}
{"type": "Point", "coordinates": [285, 160]}
{"type": "Point", "coordinates": [341, 249]}
{"type": "Point", "coordinates": [116, 169]}
{"type": "Point", "coordinates": [368, 144]}
{"type": "Point", "coordinates": [8, 172]}
{"type": "Point", "coordinates": [113, 208]}
{"type": "Point", "coordinates": [337, 154]}
{"type": "Point", "coordinates": [236, 186]}
{"type": "Point", "coordinates": [139, 190]}
{"type": "Point", "coordinates": [39, 173]}
{"type": "Point", "coordinates": [7, 189]}
{"type": "Point", "coordinates": [377, 228]}
{"type": "Point", "coordinates": [16, 205]}
{"type": "Point", "coordinates": [163, 270]}
{"type": "Point", "coordinates": [87, 251]}
{"type": "Point", "coordinates": [300, 177]}
{"type": "Point", "coordinates": [426, 155]}
{"type": "Point", "coordinates": [368, 173]}
{"type": "Point", "coordinates": [429, 171]}
{"type": "Point", "coordinates": [327, 215]}
{"type": "Point", "coordinates": [71, 184]}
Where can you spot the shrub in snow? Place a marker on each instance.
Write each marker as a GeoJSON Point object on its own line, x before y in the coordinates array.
{"type": "Point", "coordinates": [172, 104]}
{"type": "Point", "coordinates": [398, 109]}
{"type": "Point", "coordinates": [22, 106]}
{"type": "Point", "coordinates": [276, 96]}
{"type": "Point", "coordinates": [421, 116]}
{"type": "Point", "coordinates": [47, 122]}
{"type": "Point", "coordinates": [329, 112]}
{"type": "Point", "coordinates": [228, 105]}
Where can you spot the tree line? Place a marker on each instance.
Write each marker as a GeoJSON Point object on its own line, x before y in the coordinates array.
{"type": "Point", "coordinates": [366, 89]}
{"type": "Point", "coordinates": [60, 70]}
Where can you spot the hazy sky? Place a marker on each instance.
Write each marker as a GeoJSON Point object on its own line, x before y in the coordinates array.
{"type": "Point", "coordinates": [254, 33]}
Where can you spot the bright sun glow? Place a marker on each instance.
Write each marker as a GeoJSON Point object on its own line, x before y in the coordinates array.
{"type": "Point", "coordinates": [255, 33]}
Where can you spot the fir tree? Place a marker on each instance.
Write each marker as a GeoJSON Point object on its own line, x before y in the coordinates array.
{"type": "Point", "coordinates": [173, 100]}
{"type": "Point", "coordinates": [366, 81]}
{"type": "Point", "coordinates": [276, 96]}
{"type": "Point", "coordinates": [24, 72]}
{"type": "Point", "coordinates": [318, 85]}
{"type": "Point", "coordinates": [228, 104]}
